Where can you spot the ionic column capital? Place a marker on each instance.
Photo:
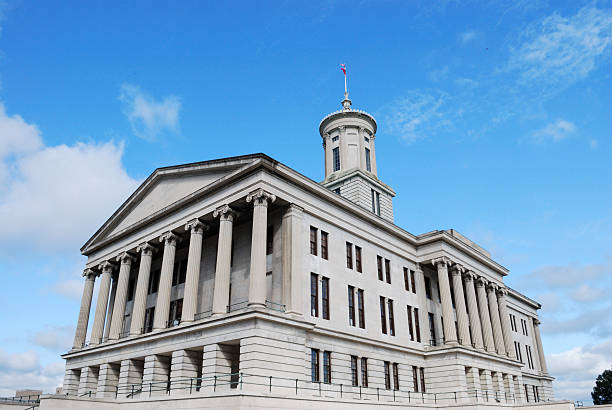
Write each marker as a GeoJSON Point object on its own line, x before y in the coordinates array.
{"type": "Point", "coordinates": [169, 238]}
{"type": "Point", "coordinates": [225, 213]}
{"type": "Point", "coordinates": [196, 226]}
{"type": "Point", "coordinates": [260, 197]}
{"type": "Point", "coordinates": [492, 287]}
{"type": "Point", "coordinates": [106, 266]}
{"type": "Point", "coordinates": [457, 269]}
{"type": "Point", "coordinates": [89, 274]}
{"type": "Point", "coordinates": [146, 249]}
{"type": "Point", "coordinates": [125, 258]}
{"type": "Point", "coordinates": [470, 276]}
{"type": "Point", "coordinates": [481, 281]}
{"type": "Point", "coordinates": [502, 291]}
{"type": "Point", "coordinates": [441, 261]}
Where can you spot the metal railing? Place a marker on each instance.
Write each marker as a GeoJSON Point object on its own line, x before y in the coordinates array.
{"type": "Point", "coordinates": [203, 315]}
{"type": "Point", "coordinates": [125, 334]}
{"type": "Point", "coordinates": [296, 387]}
{"type": "Point", "coordinates": [173, 323]}
{"type": "Point", "coordinates": [275, 306]}
{"type": "Point", "coordinates": [237, 306]}
{"type": "Point", "coordinates": [31, 399]}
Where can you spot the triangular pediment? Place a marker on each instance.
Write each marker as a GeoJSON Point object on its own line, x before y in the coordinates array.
{"type": "Point", "coordinates": [165, 188]}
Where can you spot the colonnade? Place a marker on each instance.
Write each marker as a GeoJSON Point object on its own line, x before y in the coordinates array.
{"type": "Point", "coordinates": [260, 200]}
{"type": "Point", "coordinates": [485, 314]}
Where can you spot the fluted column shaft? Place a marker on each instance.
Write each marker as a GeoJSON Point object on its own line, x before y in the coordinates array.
{"type": "Point", "coordinates": [121, 295]}
{"type": "Point", "coordinates": [192, 281]}
{"type": "Point", "coordinates": [462, 317]}
{"type": "Point", "coordinates": [81, 329]}
{"type": "Point", "coordinates": [224, 259]}
{"type": "Point", "coordinates": [485, 318]}
{"type": "Point", "coordinates": [450, 334]}
{"type": "Point", "coordinates": [538, 338]}
{"type": "Point", "coordinates": [142, 287]}
{"type": "Point", "coordinates": [257, 273]}
{"type": "Point", "coordinates": [162, 306]}
{"type": "Point", "coordinates": [100, 316]}
{"type": "Point", "coordinates": [292, 259]}
{"type": "Point", "coordinates": [473, 311]}
{"type": "Point", "coordinates": [505, 323]}
{"type": "Point", "coordinates": [495, 320]}
{"type": "Point", "coordinates": [111, 308]}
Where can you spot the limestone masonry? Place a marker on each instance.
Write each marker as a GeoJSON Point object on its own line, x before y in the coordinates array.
{"type": "Point", "coordinates": [240, 283]}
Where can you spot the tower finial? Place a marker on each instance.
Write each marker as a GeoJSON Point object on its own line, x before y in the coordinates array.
{"type": "Point", "coordinates": [346, 103]}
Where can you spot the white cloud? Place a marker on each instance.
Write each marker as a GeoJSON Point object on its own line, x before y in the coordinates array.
{"type": "Point", "coordinates": [149, 117]}
{"type": "Point", "coordinates": [24, 370]}
{"type": "Point", "coordinates": [468, 36]}
{"type": "Point", "coordinates": [439, 74]}
{"type": "Point", "coordinates": [565, 276]}
{"type": "Point", "coordinates": [56, 338]}
{"type": "Point", "coordinates": [587, 293]}
{"type": "Point", "coordinates": [555, 131]}
{"type": "Point", "coordinates": [70, 288]}
{"type": "Point", "coordinates": [562, 50]}
{"type": "Point", "coordinates": [577, 368]}
{"type": "Point", "coordinates": [417, 115]}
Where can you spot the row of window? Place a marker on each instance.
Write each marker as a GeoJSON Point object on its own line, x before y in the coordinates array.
{"type": "Point", "coordinates": [391, 371]}
{"type": "Point", "coordinates": [515, 328]}
{"type": "Point", "coordinates": [528, 353]}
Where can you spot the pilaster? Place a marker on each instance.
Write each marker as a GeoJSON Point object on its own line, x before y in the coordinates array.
{"type": "Point", "coordinates": [292, 259]}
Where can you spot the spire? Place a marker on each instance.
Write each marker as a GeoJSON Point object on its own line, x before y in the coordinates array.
{"type": "Point", "coordinates": [346, 103]}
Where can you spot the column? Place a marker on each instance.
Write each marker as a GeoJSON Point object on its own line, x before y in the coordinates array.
{"type": "Point", "coordinates": [121, 296]}
{"type": "Point", "coordinates": [98, 324]}
{"type": "Point", "coordinates": [495, 320]}
{"type": "Point", "coordinates": [81, 330]}
{"type": "Point", "coordinates": [162, 305]}
{"type": "Point", "coordinates": [192, 281]}
{"type": "Point", "coordinates": [485, 318]}
{"type": "Point", "coordinates": [505, 322]}
{"type": "Point", "coordinates": [373, 154]}
{"type": "Point", "coordinates": [257, 273]}
{"type": "Point", "coordinates": [327, 145]}
{"type": "Point", "coordinates": [292, 259]}
{"type": "Point", "coordinates": [473, 310]}
{"type": "Point", "coordinates": [423, 304]}
{"type": "Point", "coordinates": [343, 149]}
{"type": "Point", "coordinates": [538, 338]}
{"type": "Point", "coordinates": [111, 307]}
{"type": "Point", "coordinates": [462, 317]}
{"type": "Point", "coordinates": [450, 334]}
{"type": "Point", "coordinates": [224, 259]}
{"type": "Point", "coordinates": [362, 161]}
{"type": "Point", "coordinates": [142, 287]}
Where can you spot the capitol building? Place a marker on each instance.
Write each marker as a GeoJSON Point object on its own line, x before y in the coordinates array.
{"type": "Point", "coordinates": [241, 283]}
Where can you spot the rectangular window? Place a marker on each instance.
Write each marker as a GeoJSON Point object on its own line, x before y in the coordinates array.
{"type": "Point", "coordinates": [379, 266]}
{"type": "Point", "coordinates": [422, 380]}
{"type": "Point", "coordinates": [327, 376]}
{"type": "Point", "coordinates": [179, 272]}
{"type": "Point", "coordinates": [314, 295]}
{"type": "Point", "coordinates": [154, 281]}
{"type": "Point", "coordinates": [373, 201]}
{"type": "Point", "coordinates": [364, 371]}
{"type": "Point", "coordinates": [391, 319]}
{"type": "Point", "coordinates": [412, 282]}
{"type": "Point", "coordinates": [536, 393]}
{"type": "Point", "coordinates": [383, 315]}
{"type": "Point", "coordinates": [358, 259]}
{"type": "Point", "coordinates": [520, 354]}
{"type": "Point", "coordinates": [367, 158]}
{"type": "Point", "coordinates": [354, 374]}
{"type": "Point", "coordinates": [432, 330]}
{"type": "Point", "coordinates": [270, 240]}
{"type": "Point", "coordinates": [175, 313]}
{"type": "Point", "coordinates": [149, 316]}
{"type": "Point", "coordinates": [334, 139]}
{"type": "Point", "coordinates": [351, 304]}
{"type": "Point", "coordinates": [360, 308]}
{"type": "Point", "coordinates": [417, 325]}
{"type": "Point", "coordinates": [526, 332]}
{"type": "Point", "coordinates": [395, 376]}
{"type": "Point", "coordinates": [410, 328]}
{"type": "Point", "coordinates": [336, 154]}
{"type": "Point", "coordinates": [349, 255]}
{"type": "Point", "coordinates": [313, 241]}
{"type": "Point", "coordinates": [325, 298]}
{"type": "Point", "coordinates": [529, 356]}
{"type": "Point", "coordinates": [387, 375]}
{"type": "Point", "coordinates": [131, 289]}
{"type": "Point", "coordinates": [388, 270]}
{"type": "Point", "coordinates": [406, 279]}
{"type": "Point", "coordinates": [511, 324]}
{"type": "Point", "coordinates": [415, 379]}
{"type": "Point", "coordinates": [427, 287]}
{"type": "Point", "coordinates": [324, 253]}
{"type": "Point", "coordinates": [377, 203]}
{"type": "Point", "coordinates": [314, 365]}
{"type": "Point", "coordinates": [526, 394]}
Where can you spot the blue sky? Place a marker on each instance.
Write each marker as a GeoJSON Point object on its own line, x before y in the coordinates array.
{"type": "Point", "coordinates": [493, 120]}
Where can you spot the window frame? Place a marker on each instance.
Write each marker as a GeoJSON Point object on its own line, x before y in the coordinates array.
{"type": "Point", "coordinates": [313, 240]}
{"type": "Point", "coordinates": [324, 245]}
{"type": "Point", "coordinates": [325, 298]}
{"type": "Point", "coordinates": [351, 305]}
{"type": "Point", "coordinates": [383, 315]}
{"type": "Point", "coordinates": [358, 265]}
{"type": "Point", "coordinates": [349, 255]}
{"type": "Point", "coordinates": [410, 327]}
{"type": "Point", "coordinates": [315, 374]}
{"type": "Point", "coordinates": [361, 308]}
{"type": "Point", "coordinates": [327, 367]}
{"type": "Point", "coordinates": [314, 294]}
{"type": "Point", "coordinates": [336, 163]}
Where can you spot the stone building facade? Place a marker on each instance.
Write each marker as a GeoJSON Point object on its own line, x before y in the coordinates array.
{"type": "Point", "coordinates": [241, 274]}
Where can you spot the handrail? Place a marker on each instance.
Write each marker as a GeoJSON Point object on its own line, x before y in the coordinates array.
{"type": "Point", "coordinates": [275, 306]}
{"type": "Point", "coordinates": [237, 306]}
{"type": "Point", "coordinates": [202, 315]}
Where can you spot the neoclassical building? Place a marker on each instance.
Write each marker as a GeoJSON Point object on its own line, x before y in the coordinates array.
{"type": "Point", "coordinates": [241, 279]}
